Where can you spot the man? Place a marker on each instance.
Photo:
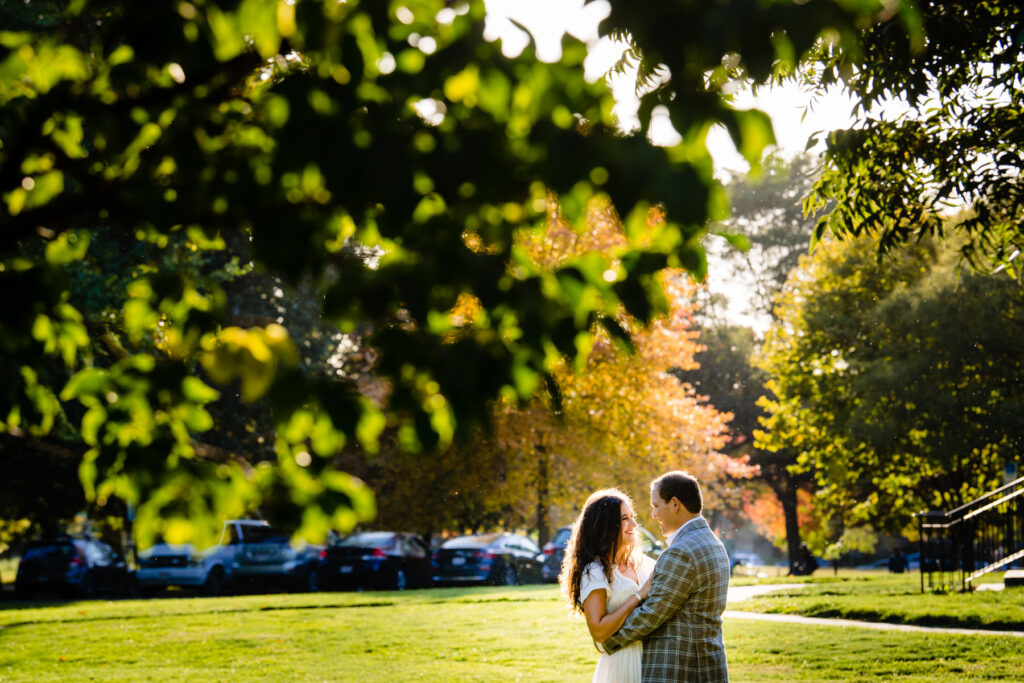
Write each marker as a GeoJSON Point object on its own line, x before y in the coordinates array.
{"type": "Point", "coordinates": [680, 622]}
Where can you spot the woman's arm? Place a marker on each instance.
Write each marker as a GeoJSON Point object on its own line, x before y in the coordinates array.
{"type": "Point", "coordinates": [601, 623]}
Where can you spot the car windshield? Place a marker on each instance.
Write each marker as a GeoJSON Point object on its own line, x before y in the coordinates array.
{"type": "Point", "coordinates": [37, 552]}
{"type": "Point", "coordinates": [374, 539]}
{"type": "Point", "coordinates": [562, 536]}
{"type": "Point", "coordinates": [472, 541]}
{"type": "Point", "coordinates": [261, 534]}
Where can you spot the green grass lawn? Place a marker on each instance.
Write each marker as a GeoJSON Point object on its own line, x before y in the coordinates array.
{"type": "Point", "coordinates": [481, 634]}
{"type": "Point", "coordinates": [895, 598]}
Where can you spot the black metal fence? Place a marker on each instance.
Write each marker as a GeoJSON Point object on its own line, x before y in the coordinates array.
{"type": "Point", "coordinates": [982, 536]}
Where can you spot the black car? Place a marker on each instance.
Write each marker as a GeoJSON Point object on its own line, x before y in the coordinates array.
{"type": "Point", "coordinates": [554, 552]}
{"type": "Point", "coordinates": [496, 559]}
{"type": "Point", "coordinates": [376, 559]}
{"type": "Point", "coordinates": [72, 566]}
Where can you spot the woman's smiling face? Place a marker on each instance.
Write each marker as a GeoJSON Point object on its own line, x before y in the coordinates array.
{"type": "Point", "coordinates": [629, 524]}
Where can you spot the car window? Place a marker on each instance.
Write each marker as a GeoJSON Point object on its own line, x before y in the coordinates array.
{"type": "Point", "coordinates": [372, 539]}
{"type": "Point", "coordinates": [38, 552]}
{"type": "Point", "coordinates": [413, 547]}
{"type": "Point", "coordinates": [562, 536]}
{"type": "Point", "coordinates": [86, 550]}
{"type": "Point", "coordinates": [473, 541]}
{"type": "Point", "coordinates": [108, 553]}
{"type": "Point", "coordinates": [646, 543]}
{"type": "Point", "coordinates": [528, 546]}
{"type": "Point", "coordinates": [264, 534]}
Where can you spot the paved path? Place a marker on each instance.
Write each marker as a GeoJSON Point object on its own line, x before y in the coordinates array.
{"type": "Point", "coordinates": [740, 593]}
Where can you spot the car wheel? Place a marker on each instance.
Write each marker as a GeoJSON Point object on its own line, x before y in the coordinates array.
{"type": "Point", "coordinates": [508, 577]}
{"type": "Point", "coordinates": [150, 591]}
{"type": "Point", "coordinates": [88, 585]}
{"type": "Point", "coordinates": [214, 584]}
{"type": "Point", "coordinates": [312, 581]}
{"type": "Point", "coordinates": [401, 582]}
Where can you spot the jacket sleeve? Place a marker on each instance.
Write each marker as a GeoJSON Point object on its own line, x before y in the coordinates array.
{"type": "Point", "coordinates": [671, 584]}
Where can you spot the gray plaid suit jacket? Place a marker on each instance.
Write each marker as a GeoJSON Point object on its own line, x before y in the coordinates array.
{"type": "Point", "coordinates": [681, 620]}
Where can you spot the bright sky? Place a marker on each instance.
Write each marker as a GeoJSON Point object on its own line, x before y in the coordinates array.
{"type": "Point", "coordinates": [793, 114]}
{"type": "Point", "coordinates": [795, 117]}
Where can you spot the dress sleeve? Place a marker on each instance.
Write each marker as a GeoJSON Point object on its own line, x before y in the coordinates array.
{"type": "Point", "coordinates": [593, 579]}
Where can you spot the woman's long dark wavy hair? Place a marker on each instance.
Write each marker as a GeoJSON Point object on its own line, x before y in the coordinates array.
{"type": "Point", "coordinates": [595, 537]}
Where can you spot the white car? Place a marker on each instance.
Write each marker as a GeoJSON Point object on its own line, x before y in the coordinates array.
{"type": "Point", "coordinates": [243, 553]}
{"type": "Point", "coordinates": [747, 560]}
{"type": "Point", "coordinates": [166, 565]}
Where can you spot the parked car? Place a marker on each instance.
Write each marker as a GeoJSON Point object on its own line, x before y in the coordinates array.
{"type": "Point", "coordinates": [376, 559]}
{"type": "Point", "coordinates": [742, 559]}
{"type": "Point", "coordinates": [913, 563]}
{"type": "Point", "coordinates": [182, 565]}
{"type": "Point", "coordinates": [495, 559]}
{"type": "Point", "coordinates": [554, 551]}
{"type": "Point", "coordinates": [264, 557]}
{"type": "Point", "coordinates": [72, 566]}
{"type": "Point", "coordinates": [251, 554]}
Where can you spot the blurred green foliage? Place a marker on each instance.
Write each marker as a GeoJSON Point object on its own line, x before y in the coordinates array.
{"type": "Point", "coordinates": [940, 101]}
{"type": "Point", "coordinates": [152, 153]}
{"type": "Point", "coordinates": [897, 383]}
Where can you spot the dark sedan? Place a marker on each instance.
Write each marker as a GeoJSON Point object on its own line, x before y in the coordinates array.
{"type": "Point", "coordinates": [554, 552]}
{"type": "Point", "coordinates": [495, 559]}
{"type": "Point", "coordinates": [72, 566]}
{"type": "Point", "coordinates": [376, 559]}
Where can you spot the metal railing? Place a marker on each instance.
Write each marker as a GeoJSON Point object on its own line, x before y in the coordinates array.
{"type": "Point", "coordinates": [982, 536]}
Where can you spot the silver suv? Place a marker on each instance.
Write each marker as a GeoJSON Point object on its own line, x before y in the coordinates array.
{"type": "Point", "coordinates": [250, 553]}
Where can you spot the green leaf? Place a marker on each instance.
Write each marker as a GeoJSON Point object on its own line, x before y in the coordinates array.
{"type": "Point", "coordinates": [86, 383]}
{"type": "Point", "coordinates": [751, 131]}
{"type": "Point", "coordinates": [738, 241]}
{"type": "Point", "coordinates": [197, 391]}
{"type": "Point", "coordinates": [92, 421]}
{"type": "Point", "coordinates": [68, 247]}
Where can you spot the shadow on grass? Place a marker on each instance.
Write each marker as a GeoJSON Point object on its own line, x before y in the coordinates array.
{"type": "Point", "coordinates": [186, 605]}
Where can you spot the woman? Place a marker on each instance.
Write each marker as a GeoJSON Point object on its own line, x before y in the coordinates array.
{"type": "Point", "coordinates": [605, 576]}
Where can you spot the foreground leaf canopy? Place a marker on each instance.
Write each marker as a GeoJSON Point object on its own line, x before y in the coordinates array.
{"type": "Point", "coordinates": [385, 153]}
{"type": "Point", "coordinates": [939, 102]}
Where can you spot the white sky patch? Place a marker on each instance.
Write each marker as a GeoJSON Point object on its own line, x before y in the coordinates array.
{"type": "Point", "coordinates": [795, 112]}
{"type": "Point", "coordinates": [431, 110]}
{"type": "Point", "coordinates": [795, 115]}
{"type": "Point", "coordinates": [546, 20]}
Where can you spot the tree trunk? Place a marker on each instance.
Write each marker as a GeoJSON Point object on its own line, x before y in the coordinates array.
{"type": "Point", "coordinates": [543, 496]}
{"type": "Point", "coordinates": [786, 492]}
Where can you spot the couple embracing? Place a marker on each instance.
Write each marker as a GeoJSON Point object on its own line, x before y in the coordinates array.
{"type": "Point", "coordinates": [652, 621]}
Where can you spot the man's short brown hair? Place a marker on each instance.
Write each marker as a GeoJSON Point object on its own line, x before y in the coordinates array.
{"type": "Point", "coordinates": [681, 486]}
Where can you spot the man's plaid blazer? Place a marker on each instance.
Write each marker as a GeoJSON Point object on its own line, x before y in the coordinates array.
{"type": "Point", "coordinates": [681, 620]}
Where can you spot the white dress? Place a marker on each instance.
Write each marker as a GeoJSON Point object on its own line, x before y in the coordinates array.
{"type": "Point", "coordinates": [623, 666]}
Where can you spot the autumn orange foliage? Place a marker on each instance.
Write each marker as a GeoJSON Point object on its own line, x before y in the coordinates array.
{"type": "Point", "coordinates": [625, 417]}
{"type": "Point", "coordinates": [621, 419]}
{"type": "Point", "coordinates": [762, 509]}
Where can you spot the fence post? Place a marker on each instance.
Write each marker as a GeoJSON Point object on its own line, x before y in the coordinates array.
{"type": "Point", "coordinates": [920, 547]}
